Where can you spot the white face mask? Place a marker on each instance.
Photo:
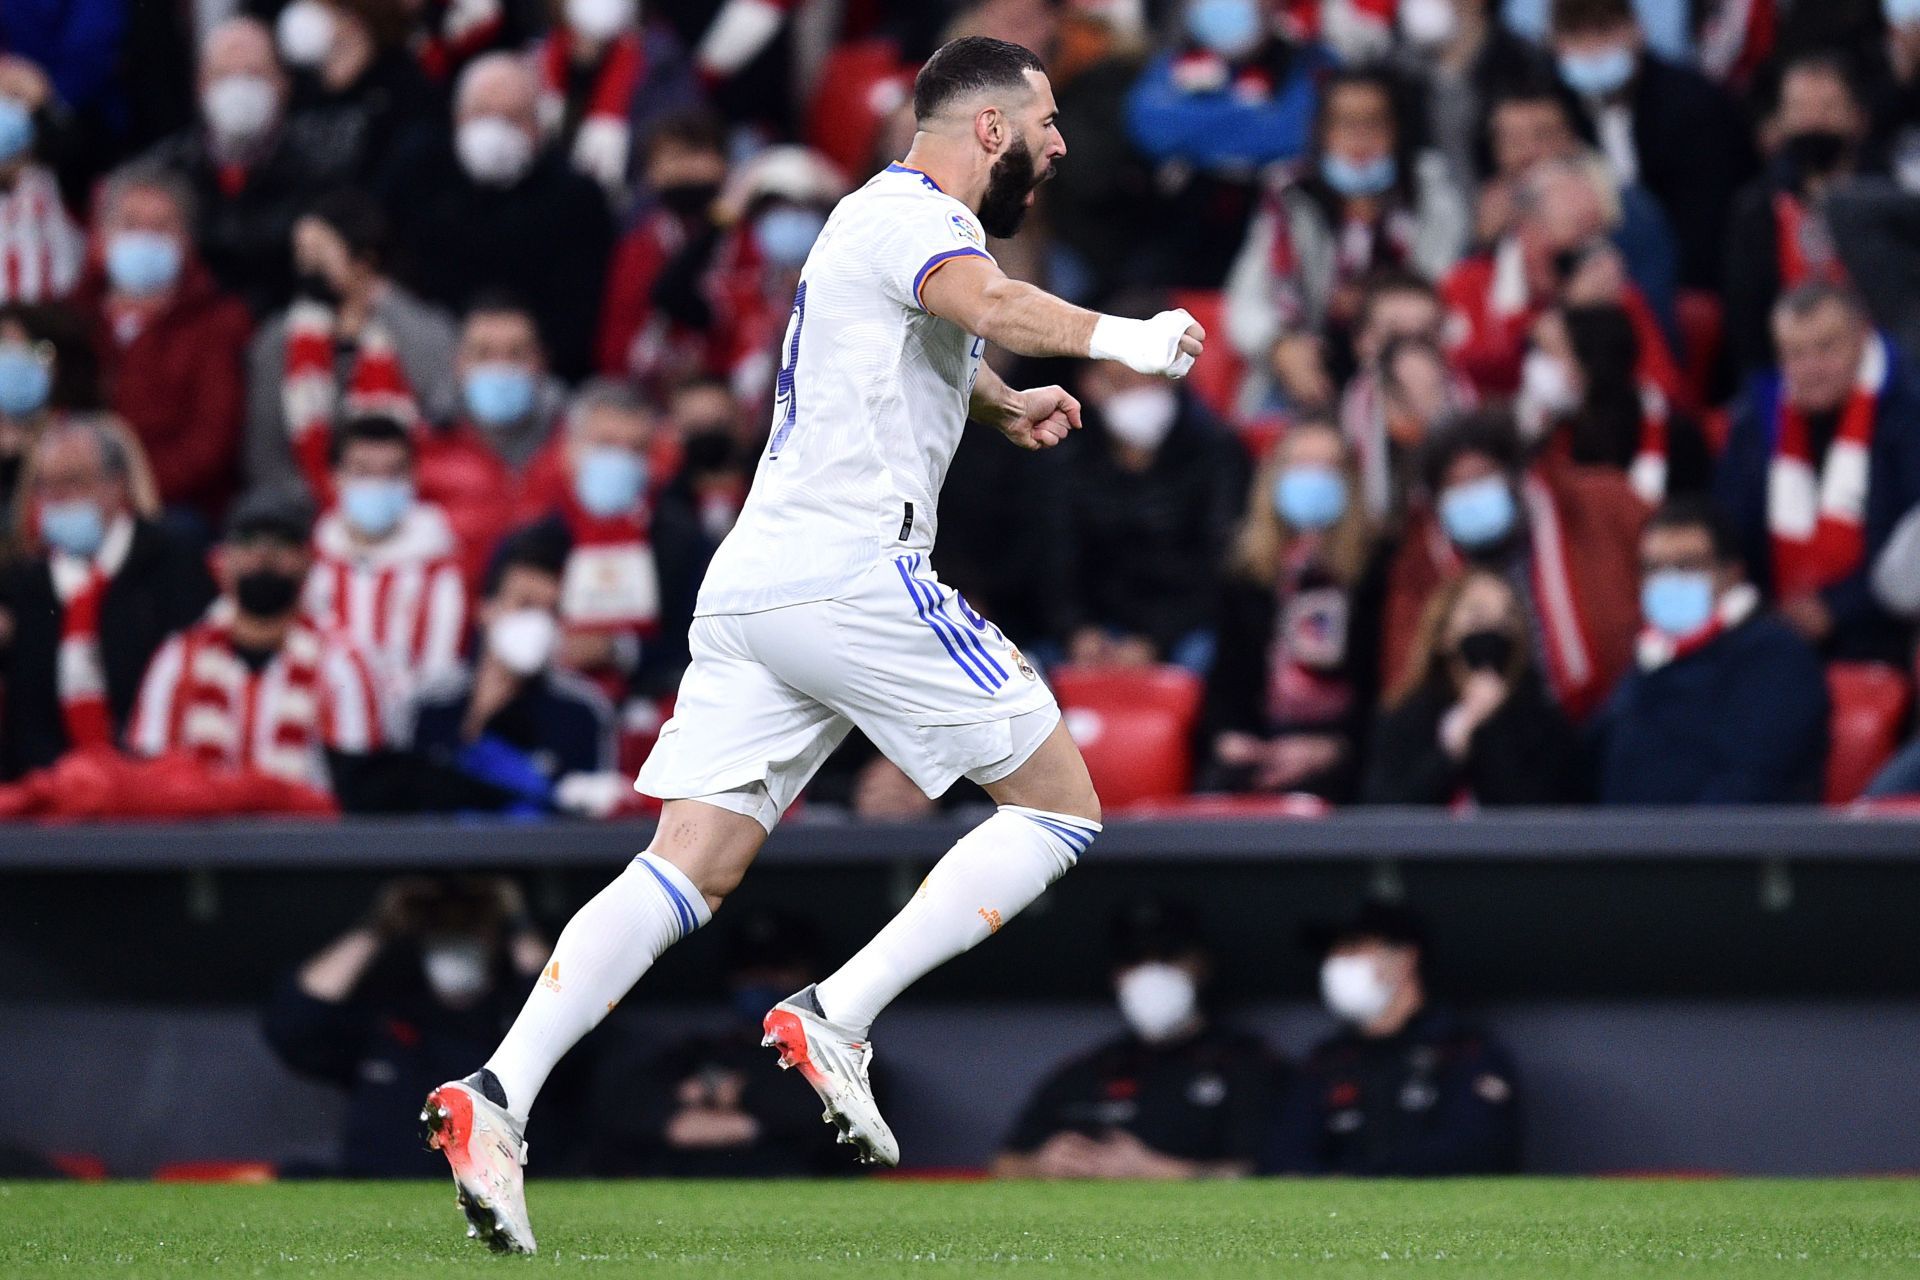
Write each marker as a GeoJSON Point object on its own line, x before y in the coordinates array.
{"type": "Point", "coordinates": [1428, 22]}
{"type": "Point", "coordinates": [240, 108]}
{"type": "Point", "coordinates": [456, 969]}
{"type": "Point", "coordinates": [1547, 393]}
{"type": "Point", "coordinates": [493, 150]}
{"type": "Point", "coordinates": [304, 32]}
{"type": "Point", "coordinates": [1141, 416]}
{"type": "Point", "coordinates": [601, 19]}
{"type": "Point", "coordinates": [523, 640]}
{"type": "Point", "coordinates": [1157, 1000]}
{"type": "Point", "coordinates": [1353, 989]}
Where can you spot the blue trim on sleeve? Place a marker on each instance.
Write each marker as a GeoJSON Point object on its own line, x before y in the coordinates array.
{"type": "Point", "coordinates": [935, 262]}
{"type": "Point", "coordinates": [897, 167]}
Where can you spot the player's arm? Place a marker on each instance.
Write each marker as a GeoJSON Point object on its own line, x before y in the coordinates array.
{"type": "Point", "coordinates": [971, 291]}
{"type": "Point", "coordinates": [1037, 419]}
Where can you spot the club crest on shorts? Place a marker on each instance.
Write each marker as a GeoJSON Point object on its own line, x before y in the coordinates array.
{"type": "Point", "coordinates": [1020, 661]}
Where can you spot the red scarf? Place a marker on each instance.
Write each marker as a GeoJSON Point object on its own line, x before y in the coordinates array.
{"type": "Point", "coordinates": [1648, 472]}
{"type": "Point", "coordinates": [611, 583]}
{"type": "Point", "coordinates": [1655, 648]}
{"type": "Point", "coordinates": [1818, 521]}
{"type": "Point", "coordinates": [310, 395]}
{"type": "Point", "coordinates": [604, 138]}
{"type": "Point", "coordinates": [80, 673]}
{"type": "Point", "coordinates": [1795, 233]}
{"type": "Point", "coordinates": [463, 30]}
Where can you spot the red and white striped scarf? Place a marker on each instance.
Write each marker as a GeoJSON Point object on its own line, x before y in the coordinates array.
{"type": "Point", "coordinates": [80, 672]}
{"type": "Point", "coordinates": [1803, 245]}
{"type": "Point", "coordinates": [42, 250]}
{"type": "Point", "coordinates": [603, 124]}
{"type": "Point", "coordinates": [403, 600]}
{"type": "Point", "coordinates": [1648, 471]}
{"type": "Point", "coordinates": [310, 392]}
{"type": "Point", "coordinates": [1655, 648]}
{"type": "Point", "coordinates": [1818, 521]}
{"type": "Point", "coordinates": [463, 31]}
{"type": "Point", "coordinates": [611, 582]}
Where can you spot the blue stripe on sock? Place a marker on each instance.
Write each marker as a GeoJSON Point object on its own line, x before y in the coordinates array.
{"type": "Point", "coordinates": [688, 920]}
{"type": "Point", "coordinates": [920, 611]}
{"type": "Point", "coordinates": [1080, 840]}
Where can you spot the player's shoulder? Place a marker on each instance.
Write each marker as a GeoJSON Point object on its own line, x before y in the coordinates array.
{"type": "Point", "coordinates": [905, 197]}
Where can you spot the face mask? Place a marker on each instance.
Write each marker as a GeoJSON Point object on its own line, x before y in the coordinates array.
{"type": "Point", "coordinates": [76, 527]}
{"type": "Point", "coordinates": [1352, 988]}
{"type": "Point", "coordinates": [1595, 75]}
{"type": "Point", "coordinates": [1546, 393]}
{"type": "Point", "coordinates": [1310, 497]}
{"type": "Point", "coordinates": [1157, 1000]}
{"type": "Point", "coordinates": [1362, 178]}
{"type": "Point", "coordinates": [304, 33]}
{"type": "Point", "coordinates": [1428, 22]}
{"type": "Point", "coordinates": [240, 108]}
{"type": "Point", "coordinates": [1816, 153]}
{"type": "Point", "coordinates": [1489, 651]}
{"type": "Point", "coordinates": [609, 481]}
{"type": "Point", "coordinates": [498, 393]}
{"type": "Point", "coordinates": [25, 381]}
{"type": "Point", "coordinates": [457, 971]}
{"type": "Point", "coordinates": [142, 263]}
{"type": "Point", "coordinates": [1141, 416]}
{"type": "Point", "coordinates": [1901, 13]}
{"type": "Point", "coordinates": [494, 151]}
{"type": "Point", "coordinates": [16, 130]}
{"type": "Point", "coordinates": [374, 507]}
{"type": "Point", "coordinates": [1478, 513]}
{"type": "Point", "coordinates": [523, 640]}
{"type": "Point", "coordinates": [688, 200]}
{"type": "Point", "coordinates": [266, 593]}
{"type": "Point", "coordinates": [1677, 602]}
{"type": "Point", "coordinates": [600, 19]}
{"type": "Point", "coordinates": [786, 236]}
{"type": "Point", "coordinates": [1231, 28]}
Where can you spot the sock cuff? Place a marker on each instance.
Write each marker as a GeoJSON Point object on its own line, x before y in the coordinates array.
{"type": "Point", "coordinates": [688, 903]}
{"type": "Point", "coordinates": [1076, 833]}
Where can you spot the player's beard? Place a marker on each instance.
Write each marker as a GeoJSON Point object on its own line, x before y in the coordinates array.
{"type": "Point", "coordinates": [1004, 206]}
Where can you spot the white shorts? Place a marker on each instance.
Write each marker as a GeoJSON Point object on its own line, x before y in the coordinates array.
{"type": "Point", "coordinates": [769, 695]}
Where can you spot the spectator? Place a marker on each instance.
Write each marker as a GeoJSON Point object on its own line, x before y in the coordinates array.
{"type": "Point", "coordinates": [1462, 56]}
{"type": "Point", "coordinates": [1366, 199]}
{"type": "Point", "coordinates": [1822, 461]}
{"type": "Point", "coordinates": [1406, 1088]}
{"type": "Point", "coordinates": [1234, 96]}
{"type": "Point", "coordinates": [431, 977]}
{"type": "Point", "coordinates": [605, 76]}
{"type": "Point", "coordinates": [1634, 100]}
{"type": "Point", "coordinates": [251, 167]}
{"type": "Point", "coordinates": [1418, 389]}
{"type": "Point", "coordinates": [1581, 390]}
{"type": "Point", "coordinates": [170, 344]}
{"type": "Point", "coordinates": [716, 462]}
{"type": "Point", "coordinates": [1293, 682]}
{"type": "Point", "coordinates": [743, 55]}
{"type": "Point", "coordinates": [1778, 237]}
{"type": "Point", "coordinates": [449, 34]}
{"type": "Point", "coordinates": [1470, 722]}
{"type": "Point", "coordinates": [79, 52]}
{"type": "Point", "coordinates": [1177, 1096]}
{"type": "Point", "coordinates": [494, 210]}
{"type": "Point", "coordinates": [511, 721]}
{"type": "Point", "coordinates": [1726, 704]}
{"type": "Point", "coordinates": [41, 249]}
{"type": "Point", "coordinates": [1395, 304]}
{"type": "Point", "coordinates": [356, 79]}
{"type": "Point", "coordinates": [256, 685]}
{"type": "Point", "coordinates": [386, 568]}
{"type": "Point", "coordinates": [45, 369]}
{"type": "Point", "coordinates": [84, 613]}
{"type": "Point", "coordinates": [353, 341]}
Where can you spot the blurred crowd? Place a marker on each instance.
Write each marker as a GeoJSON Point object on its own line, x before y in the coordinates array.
{"type": "Point", "coordinates": [377, 376]}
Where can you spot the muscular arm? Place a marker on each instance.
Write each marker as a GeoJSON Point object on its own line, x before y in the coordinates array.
{"type": "Point", "coordinates": [975, 294]}
{"type": "Point", "coordinates": [994, 403]}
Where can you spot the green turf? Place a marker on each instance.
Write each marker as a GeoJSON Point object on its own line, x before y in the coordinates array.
{"type": "Point", "coordinates": [1530, 1228]}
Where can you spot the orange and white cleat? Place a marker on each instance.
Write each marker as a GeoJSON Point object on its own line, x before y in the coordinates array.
{"type": "Point", "coordinates": [834, 1061]}
{"type": "Point", "coordinates": [483, 1144]}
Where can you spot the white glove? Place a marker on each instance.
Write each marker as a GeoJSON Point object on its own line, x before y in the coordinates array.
{"type": "Point", "coordinates": [1144, 346]}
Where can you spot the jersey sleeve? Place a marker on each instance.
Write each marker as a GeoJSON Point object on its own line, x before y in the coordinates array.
{"type": "Point", "coordinates": [925, 236]}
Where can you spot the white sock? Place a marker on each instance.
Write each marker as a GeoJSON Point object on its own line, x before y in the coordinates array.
{"type": "Point", "coordinates": [602, 952]}
{"type": "Point", "coordinates": [986, 879]}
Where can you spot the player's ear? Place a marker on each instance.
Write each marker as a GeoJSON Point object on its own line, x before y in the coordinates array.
{"type": "Point", "coordinates": [990, 127]}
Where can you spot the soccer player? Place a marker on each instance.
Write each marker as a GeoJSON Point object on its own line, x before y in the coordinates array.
{"type": "Point", "coordinates": [821, 611]}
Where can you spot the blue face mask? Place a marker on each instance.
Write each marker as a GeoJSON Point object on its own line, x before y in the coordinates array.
{"type": "Point", "coordinates": [497, 394]}
{"type": "Point", "coordinates": [75, 527]}
{"type": "Point", "coordinates": [1677, 602]}
{"type": "Point", "coordinates": [786, 236]}
{"type": "Point", "coordinates": [25, 380]}
{"type": "Point", "coordinates": [16, 130]}
{"type": "Point", "coordinates": [1595, 75]}
{"type": "Point", "coordinates": [609, 481]}
{"type": "Point", "coordinates": [142, 263]}
{"type": "Point", "coordinates": [1367, 178]}
{"type": "Point", "coordinates": [1901, 13]}
{"type": "Point", "coordinates": [1310, 497]}
{"type": "Point", "coordinates": [374, 507]}
{"type": "Point", "coordinates": [1230, 28]}
{"type": "Point", "coordinates": [1479, 513]}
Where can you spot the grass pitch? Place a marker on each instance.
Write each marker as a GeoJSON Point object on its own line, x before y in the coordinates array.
{"type": "Point", "coordinates": [1321, 1230]}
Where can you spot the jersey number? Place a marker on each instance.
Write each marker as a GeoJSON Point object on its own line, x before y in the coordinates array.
{"type": "Point", "coordinates": [786, 405]}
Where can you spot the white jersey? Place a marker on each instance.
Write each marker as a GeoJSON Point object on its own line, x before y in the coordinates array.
{"type": "Point", "coordinates": [871, 400]}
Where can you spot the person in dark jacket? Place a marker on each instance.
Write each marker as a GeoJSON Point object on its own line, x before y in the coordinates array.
{"type": "Point", "coordinates": [361, 86]}
{"type": "Point", "coordinates": [1462, 55]}
{"type": "Point", "coordinates": [1726, 705]}
{"type": "Point", "coordinates": [1843, 404]}
{"type": "Point", "coordinates": [1407, 1088]}
{"type": "Point", "coordinates": [1177, 1096]}
{"type": "Point", "coordinates": [85, 614]}
{"type": "Point", "coordinates": [1471, 720]}
{"type": "Point", "coordinates": [433, 974]}
{"type": "Point", "coordinates": [1296, 669]}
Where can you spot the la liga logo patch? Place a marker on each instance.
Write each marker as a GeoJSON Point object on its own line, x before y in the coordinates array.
{"type": "Point", "coordinates": [965, 231]}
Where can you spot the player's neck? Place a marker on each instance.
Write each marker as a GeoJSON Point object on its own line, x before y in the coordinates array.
{"type": "Point", "coordinates": [964, 177]}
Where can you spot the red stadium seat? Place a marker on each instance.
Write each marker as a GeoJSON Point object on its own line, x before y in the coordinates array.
{"type": "Point", "coordinates": [1869, 711]}
{"type": "Point", "coordinates": [1702, 322]}
{"type": "Point", "coordinates": [1217, 375]}
{"type": "Point", "coordinates": [1217, 804]}
{"type": "Point", "coordinates": [216, 1171]}
{"type": "Point", "coordinates": [861, 84]}
{"type": "Point", "coordinates": [1134, 726]}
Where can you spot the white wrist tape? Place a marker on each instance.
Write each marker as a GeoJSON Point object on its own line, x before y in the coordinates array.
{"type": "Point", "coordinates": [1145, 346]}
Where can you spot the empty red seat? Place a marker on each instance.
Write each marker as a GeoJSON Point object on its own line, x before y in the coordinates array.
{"type": "Point", "coordinates": [1869, 712]}
{"type": "Point", "coordinates": [1702, 321]}
{"type": "Point", "coordinates": [1134, 725]}
{"type": "Point", "coordinates": [1217, 375]}
{"type": "Point", "coordinates": [861, 84]}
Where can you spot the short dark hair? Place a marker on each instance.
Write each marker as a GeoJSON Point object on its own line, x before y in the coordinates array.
{"type": "Point", "coordinates": [970, 64]}
{"type": "Point", "coordinates": [1486, 431]}
{"type": "Point", "coordinates": [1390, 280]}
{"type": "Point", "coordinates": [1696, 511]}
{"type": "Point", "coordinates": [542, 547]}
{"type": "Point", "coordinates": [357, 219]}
{"type": "Point", "coordinates": [494, 301]}
{"type": "Point", "coordinates": [1573, 16]}
{"type": "Point", "coordinates": [1803, 300]}
{"type": "Point", "coordinates": [369, 428]}
{"type": "Point", "coordinates": [693, 130]}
